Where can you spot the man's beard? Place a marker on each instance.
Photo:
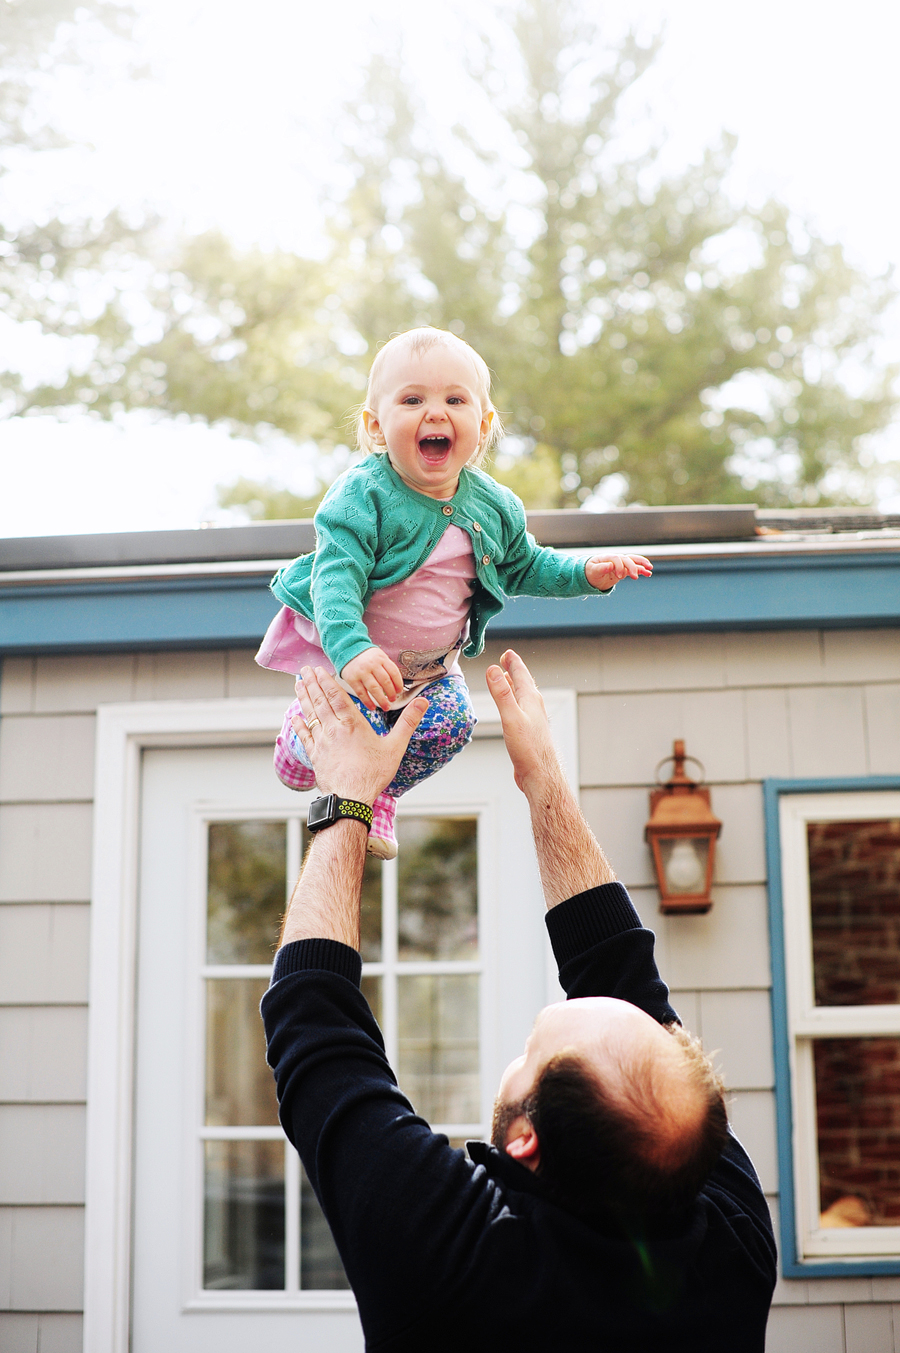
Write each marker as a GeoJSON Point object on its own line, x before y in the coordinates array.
{"type": "Point", "coordinates": [502, 1119]}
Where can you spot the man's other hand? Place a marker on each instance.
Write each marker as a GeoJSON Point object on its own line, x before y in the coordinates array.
{"type": "Point", "coordinates": [526, 728]}
{"type": "Point", "coordinates": [348, 756]}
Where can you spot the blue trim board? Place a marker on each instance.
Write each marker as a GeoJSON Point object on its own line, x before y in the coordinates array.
{"type": "Point", "coordinates": [791, 1265]}
{"type": "Point", "coordinates": [827, 591]}
{"type": "Point", "coordinates": [777, 592]}
{"type": "Point", "coordinates": [127, 614]}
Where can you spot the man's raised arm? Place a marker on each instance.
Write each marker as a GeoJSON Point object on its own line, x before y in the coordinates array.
{"type": "Point", "coordinates": [569, 856]}
{"type": "Point", "coordinates": [352, 761]}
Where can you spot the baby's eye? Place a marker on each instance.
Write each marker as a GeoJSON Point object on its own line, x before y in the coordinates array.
{"type": "Point", "coordinates": [412, 399]}
{"type": "Point", "coordinates": [455, 399]}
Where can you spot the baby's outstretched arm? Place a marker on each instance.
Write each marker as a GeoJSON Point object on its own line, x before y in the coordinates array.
{"type": "Point", "coordinates": [373, 678]}
{"type": "Point", "coordinates": [605, 573]}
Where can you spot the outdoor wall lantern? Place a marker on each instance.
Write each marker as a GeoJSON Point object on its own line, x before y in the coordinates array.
{"type": "Point", "coordinates": [682, 834]}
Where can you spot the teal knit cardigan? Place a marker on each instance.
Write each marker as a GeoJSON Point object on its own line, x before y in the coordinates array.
{"type": "Point", "coordinates": [372, 531]}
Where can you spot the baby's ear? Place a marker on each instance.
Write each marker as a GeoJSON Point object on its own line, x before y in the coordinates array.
{"type": "Point", "coordinates": [372, 426]}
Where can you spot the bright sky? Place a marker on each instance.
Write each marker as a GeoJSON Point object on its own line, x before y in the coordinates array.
{"type": "Point", "coordinates": [233, 126]}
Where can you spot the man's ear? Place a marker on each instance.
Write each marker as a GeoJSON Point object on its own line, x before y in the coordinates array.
{"type": "Point", "coordinates": [522, 1142]}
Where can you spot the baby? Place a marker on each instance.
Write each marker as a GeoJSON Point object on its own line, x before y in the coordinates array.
{"type": "Point", "coordinates": [416, 550]}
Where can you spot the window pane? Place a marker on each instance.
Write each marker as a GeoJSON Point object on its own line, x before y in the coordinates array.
{"type": "Point", "coordinates": [320, 1264]}
{"type": "Point", "coordinates": [246, 892]}
{"type": "Point", "coordinates": [858, 1119]}
{"type": "Point", "coordinates": [371, 989]}
{"type": "Point", "coordinates": [240, 1087]}
{"type": "Point", "coordinates": [854, 883]}
{"type": "Point", "coordinates": [371, 911]}
{"type": "Point", "coordinates": [438, 1046]}
{"type": "Point", "coordinates": [243, 1232]}
{"type": "Point", "coordinates": [437, 888]}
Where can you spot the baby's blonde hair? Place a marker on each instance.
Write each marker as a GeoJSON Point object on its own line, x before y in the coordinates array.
{"type": "Point", "coordinates": [417, 341]}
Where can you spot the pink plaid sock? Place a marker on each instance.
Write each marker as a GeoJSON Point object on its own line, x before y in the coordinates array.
{"type": "Point", "coordinates": [382, 840]}
{"type": "Point", "coordinates": [290, 758]}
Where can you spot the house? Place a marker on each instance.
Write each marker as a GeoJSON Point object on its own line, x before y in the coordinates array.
{"type": "Point", "coordinates": [147, 1200]}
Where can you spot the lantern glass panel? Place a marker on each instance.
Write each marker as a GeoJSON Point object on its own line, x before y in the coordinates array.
{"type": "Point", "coordinates": [684, 861]}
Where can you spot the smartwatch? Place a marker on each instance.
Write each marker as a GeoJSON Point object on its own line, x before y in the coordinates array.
{"type": "Point", "coordinates": [325, 812]}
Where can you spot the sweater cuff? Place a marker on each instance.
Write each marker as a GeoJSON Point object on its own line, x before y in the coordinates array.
{"type": "Point", "coordinates": [589, 918]}
{"type": "Point", "coordinates": [320, 956]}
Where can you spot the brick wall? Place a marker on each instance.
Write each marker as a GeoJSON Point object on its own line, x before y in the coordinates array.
{"type": "Point", "coordinates": [854, 873]}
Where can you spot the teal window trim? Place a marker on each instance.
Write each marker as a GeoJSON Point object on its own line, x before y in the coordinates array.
{"type": "Point", "coordinates": [791, 1264]}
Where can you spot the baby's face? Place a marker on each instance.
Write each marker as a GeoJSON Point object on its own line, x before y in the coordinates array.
{"type": "Point", "coordinates": [428, 414]}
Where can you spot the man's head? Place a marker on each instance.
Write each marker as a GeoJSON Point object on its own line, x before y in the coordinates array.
{"type": "Point", "coordinates": [618, 1114]}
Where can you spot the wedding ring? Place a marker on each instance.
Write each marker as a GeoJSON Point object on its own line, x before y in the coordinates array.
{"type": "Point", "coordinates": [311, 724]}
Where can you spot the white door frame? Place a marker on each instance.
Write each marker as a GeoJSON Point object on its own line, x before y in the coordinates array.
{"type": "Point", "coordinates": [123, 731]}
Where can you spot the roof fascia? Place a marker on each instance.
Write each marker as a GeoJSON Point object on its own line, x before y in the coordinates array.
{"type": "Point", "coordinates": [706, 590]}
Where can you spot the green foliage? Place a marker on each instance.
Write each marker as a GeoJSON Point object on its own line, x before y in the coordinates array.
{"type": "Point", "coordinates": [68, 277]}
{"type": "Point", "coordinates": [246, 889]}
{"type": "Point", "coordinates": [647, 329]}
{"type": "Point", "coordinates": [437, 888]}
{"type": "Point", "coordinates": [649, 340]}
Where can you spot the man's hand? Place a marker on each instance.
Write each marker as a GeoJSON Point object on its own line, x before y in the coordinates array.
{"type": "Point", "coordinates": [569, 857]}
{"type": "Point", "coordinates": [526, 728]}
{"type": "Point", "coordinates": [373, 678]}
{"type": "Point", "coordinates": [348, 756]}
{"type": "Point", "coordinates": [605, 573]}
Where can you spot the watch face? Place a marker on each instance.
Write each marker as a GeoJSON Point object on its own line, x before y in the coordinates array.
{"type": "Point", "coordinates": [321, 813]}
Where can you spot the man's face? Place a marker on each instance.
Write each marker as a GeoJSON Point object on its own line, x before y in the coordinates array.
{"type": "Point", "coordinates": [599, 1030]}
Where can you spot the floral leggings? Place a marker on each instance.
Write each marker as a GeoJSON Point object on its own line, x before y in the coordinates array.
{"type": "Point", "coordinates": [444, 731]}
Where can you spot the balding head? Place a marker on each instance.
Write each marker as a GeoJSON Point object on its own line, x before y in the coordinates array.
{"type": "Point", "coordinates": [617, 1113]}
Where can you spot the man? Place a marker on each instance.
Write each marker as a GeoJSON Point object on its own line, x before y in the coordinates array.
{"type": "Point", "coordinates": [614, 1210]}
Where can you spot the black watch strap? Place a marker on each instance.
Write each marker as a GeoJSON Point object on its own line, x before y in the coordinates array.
{"type": "Point", "coordinates": [325, 812]}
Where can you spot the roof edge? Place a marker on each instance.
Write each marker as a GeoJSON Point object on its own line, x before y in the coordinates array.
{"type": "Point", "coordinates": [565, 528]}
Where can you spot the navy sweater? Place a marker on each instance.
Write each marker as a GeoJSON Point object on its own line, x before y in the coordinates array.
{"type": "Point", "coordinates": [449, 1252]}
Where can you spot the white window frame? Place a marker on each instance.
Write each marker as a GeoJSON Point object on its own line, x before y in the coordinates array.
{"type": "Point", "coordinates": [123, 731]}
{"type": "Point", "coordinates": [806, 1021]}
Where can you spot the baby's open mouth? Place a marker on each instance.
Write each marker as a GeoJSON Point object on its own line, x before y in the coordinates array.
{"type": "Point", "coordinates": [434, 447]}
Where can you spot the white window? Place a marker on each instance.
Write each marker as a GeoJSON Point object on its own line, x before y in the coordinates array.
{"type": "Point", "coordinates": [840, 887]}
{"type": "Point", "coordinates": [257, 1225]}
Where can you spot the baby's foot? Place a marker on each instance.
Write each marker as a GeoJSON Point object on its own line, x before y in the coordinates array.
{"type": "Point", "coordinates": [290, 760]}
{"type": "Point", "coordinates": [382, 838]}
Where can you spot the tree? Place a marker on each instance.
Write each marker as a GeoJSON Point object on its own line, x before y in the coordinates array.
{"type": "Point", "coordinates": [649, 339]}
{"type": "Point", "coordinates": [55, 273]}
{"type": "Point", "coordinates": [624, 338]}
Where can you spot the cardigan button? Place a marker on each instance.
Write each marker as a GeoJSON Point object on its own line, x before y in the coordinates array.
{"type": "Point", "coordinates": [447, 510]}
{"type": "Point", "coordinates": [485, 558]}
{"type": "Point", "coordinates": [475, 526]}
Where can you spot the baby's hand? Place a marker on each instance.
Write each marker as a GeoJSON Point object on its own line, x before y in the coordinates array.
{"type": "Point", "coordinates": [605, 573]}
{"type": "Point", "coordinates": [373, 678]}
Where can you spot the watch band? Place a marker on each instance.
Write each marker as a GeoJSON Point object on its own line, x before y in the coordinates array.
{"type": "Point", "coordinates": [326, 811]}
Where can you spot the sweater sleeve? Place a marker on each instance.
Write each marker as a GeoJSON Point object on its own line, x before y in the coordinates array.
{"type": "Point", "coordinates": [602, 950]}
{"type": "Point", "coordinates": [346, 542]}
{"type": "Point", "coordinates": [409, 1213]}
{"type": "Point", "coordinates": [532, 570]}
